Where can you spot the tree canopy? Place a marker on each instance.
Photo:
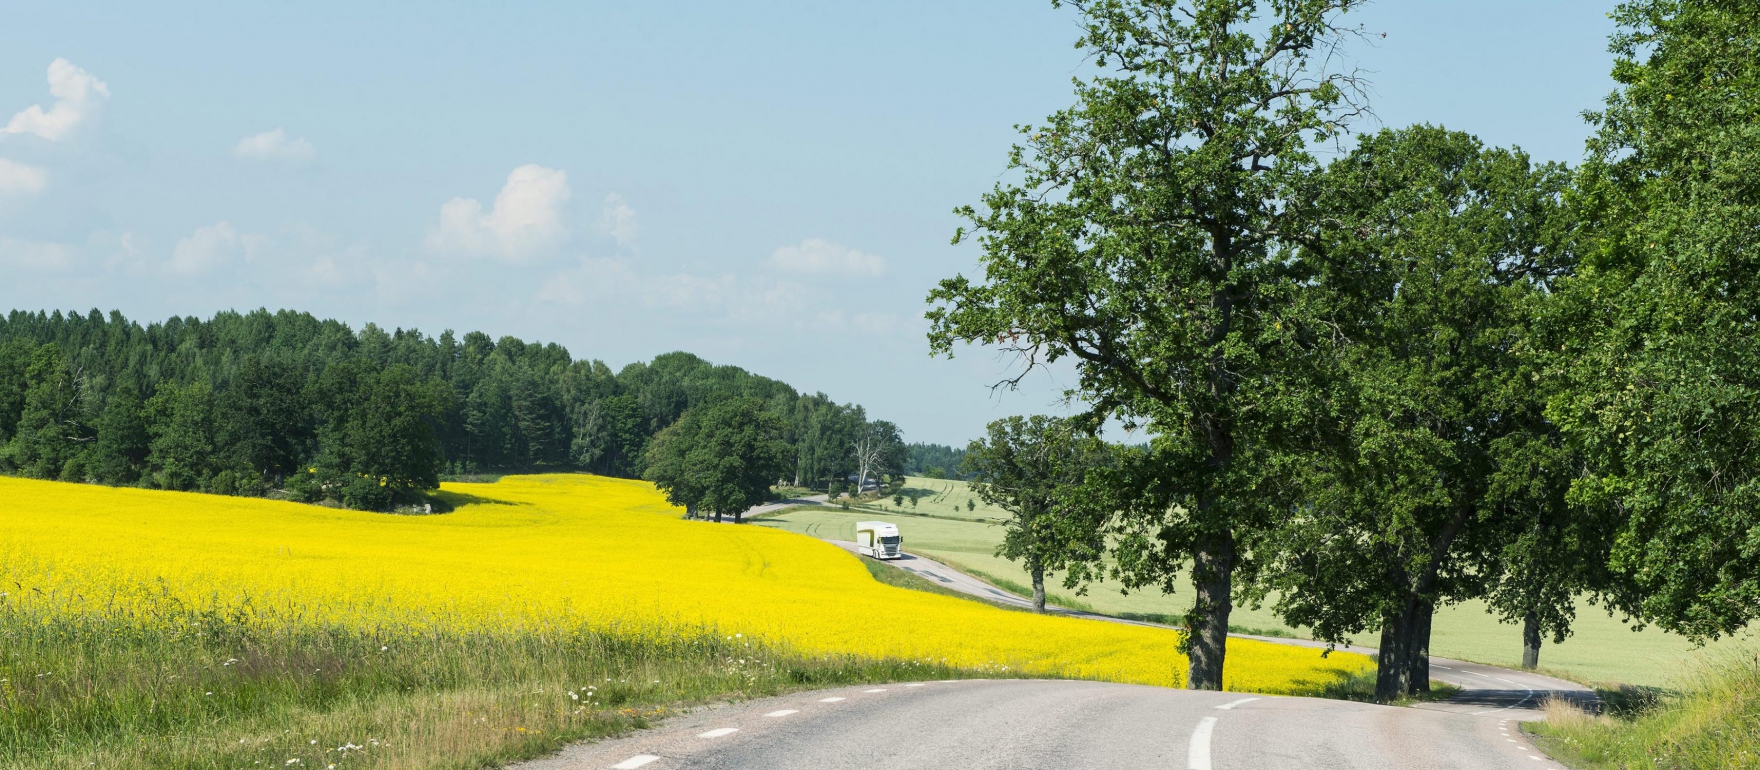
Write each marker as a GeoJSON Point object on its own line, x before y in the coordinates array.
{"type": "Point", "coordinates": [720, 457]}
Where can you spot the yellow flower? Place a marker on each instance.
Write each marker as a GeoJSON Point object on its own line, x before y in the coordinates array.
{"type": "Point", "coordinates": [492, 566]}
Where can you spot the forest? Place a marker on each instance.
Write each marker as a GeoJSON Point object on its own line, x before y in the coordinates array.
{"type": "Point", "coordinates": [283, 403]}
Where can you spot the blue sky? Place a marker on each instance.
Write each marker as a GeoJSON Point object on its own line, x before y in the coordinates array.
{"type": "Point", "coordinates": [765, 184]}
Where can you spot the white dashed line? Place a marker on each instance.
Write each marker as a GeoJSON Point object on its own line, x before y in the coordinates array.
{"type": "Point", "coordinates": [783, 713]}
{"type": "Point", "coordinates": [877, 689]}
{"type": "Point", "coordinates": [829, 700]}
{"type": "Point", "coordinates": [1444, 668]}
{"type": "Point", "coordinates": [634, 762]}
{"type": "Point", "coordinates": [1198, 755]}
{"type": "Point", "coordinates": [914, 685]}
{"type": "Point", "coordinates": [1232, 704]}
{"type": "Point", "coordinates": [719, 732]}
{"type": "Point", "coordinates": [1536, 759]}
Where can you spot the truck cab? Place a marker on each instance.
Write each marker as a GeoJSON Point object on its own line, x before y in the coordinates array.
{"type": "Point", "coordinates": [878, 539]}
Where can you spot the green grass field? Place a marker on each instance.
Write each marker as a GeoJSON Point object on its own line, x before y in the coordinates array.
{"type": "Point", "coordinates": [1603, 650]}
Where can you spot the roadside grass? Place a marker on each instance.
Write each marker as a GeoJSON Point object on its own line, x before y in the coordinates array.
{"type": "Point", "coordinates": [898, 578]}
{"type": "Point", "coordinates": [1711, 721]}
{"type": "Point", "coordinates": [200, 690]}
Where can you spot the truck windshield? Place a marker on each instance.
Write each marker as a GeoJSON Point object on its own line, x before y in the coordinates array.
{"type": "Point", "coordinates": [893, 540]}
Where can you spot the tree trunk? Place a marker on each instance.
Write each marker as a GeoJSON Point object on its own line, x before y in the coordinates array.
{"type": "Point", "coordinates": [1207, 624]}
{"type": "Point", "coordinates": [1393, 662]}
{"type": "Point", "coordinates": [690, 511]}
{"type": "Point", "coordinates": [1419, 663]}
{"type": "Point", "coordinates": [739, 517]}
{"type": "Point", "coordinates": [1038, 588]}
{"type": "Point", "coordinates": [717, 517]}
{"type": "Point", "coordinates": [1531, 640]}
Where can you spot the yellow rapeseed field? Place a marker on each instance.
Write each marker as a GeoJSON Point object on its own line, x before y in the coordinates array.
{"type": "Point", "coordinates": [538, 551]}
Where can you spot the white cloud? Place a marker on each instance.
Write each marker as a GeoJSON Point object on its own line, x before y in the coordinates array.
{"type": "Point", "coordinates": [274, 145]}
{"type": "Point", "coordinates": [77, 95]}
{"type": "Point", "coordinates": [817, 255]}
{"type": "Point", "coordinates": [526, 219]}
{"type": "Point", "coordinates": [206, 248]}
{"type": "Point", "coordinates": [17, 178]}
{"type": "Point", "coordinates": [618, 220]}
{"type": "Point", "coordinates": [45, 256]}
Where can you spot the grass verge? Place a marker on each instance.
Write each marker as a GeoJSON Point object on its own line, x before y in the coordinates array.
{"type": "Point", "coordinates": [1712, 721]}
{"type": "Point", "coordinates": [201, 691]}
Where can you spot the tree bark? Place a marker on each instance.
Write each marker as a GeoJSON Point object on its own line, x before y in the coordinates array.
{"type": "Point", "coordinates": [1393, 662]}
{"type": "Point", "coordinates": [1038, 588]}
{"type": "Point", "coordinates": [1419, 663]}
{"type": "Point", "coordinates": [690, 511]}
{"type": "Point", "coordinates": [1531, 640]}
{"type": "Point", "coordinates": [1207, 625]}
{"type": "Point", "coordinates": [717, 517]}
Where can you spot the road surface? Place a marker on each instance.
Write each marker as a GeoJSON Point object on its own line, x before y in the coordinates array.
{"type": "Point", "coordinates": [984, 723]}
{"type": "Point", "coordinates": [1066, 724]}
{"type": "Point", "coordinates": [1485, 690]}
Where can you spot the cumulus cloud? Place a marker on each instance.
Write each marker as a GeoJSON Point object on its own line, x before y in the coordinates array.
{"type": "Point", "coordinates": [18, 178]}
{"type": "Point", "coordinates": [274, 145]}
{"type": "Point", "coordinates": [77, 95]}
{"type": "Point", "coordinates": [817, 255]}
{"type": "Point", "coordinates": [206, 248]}
{"type": "Point", "coordinates": [46, 256]}
{"type": "Point", "coordinates": [526, 220]}
{"type": "Point", "coordinates": [618, 220]}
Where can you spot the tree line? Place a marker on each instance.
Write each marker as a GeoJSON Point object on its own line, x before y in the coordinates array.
{"type": "Point", "coordinates": [1420, 372]}
{"type": "Point", "coordinates": [284, 403]}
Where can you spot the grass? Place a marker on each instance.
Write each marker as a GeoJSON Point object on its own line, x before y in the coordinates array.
{"type": "Point", "coordinates": [1602, 649]}
{"type": "Point", "coordinates": [198, 690]}
{"type": "Point", "coordinates": [1713, 721]}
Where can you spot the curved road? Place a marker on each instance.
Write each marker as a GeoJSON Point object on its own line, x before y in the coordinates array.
{"type": "Point", "coordinates": [989, 723]}
{"type": "Point", "coordinates": [1004, 723]}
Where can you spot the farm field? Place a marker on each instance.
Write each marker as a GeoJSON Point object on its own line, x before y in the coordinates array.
{"type": "Point", "coordinates": [142, 616]}
{"type": "Point", "coordinates": [1602, 649]}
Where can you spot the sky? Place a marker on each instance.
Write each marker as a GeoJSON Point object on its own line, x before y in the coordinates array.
{"type": "Point", "coordinates": [764, 184]}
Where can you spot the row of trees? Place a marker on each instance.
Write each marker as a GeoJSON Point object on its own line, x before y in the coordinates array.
{"type": "Point", "coordinates": [260, 402]}
{"type": "Point", "coordinates": [1423, 372]}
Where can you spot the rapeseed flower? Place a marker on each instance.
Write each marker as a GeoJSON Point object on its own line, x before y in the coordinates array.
{"type": "Point", "coordinates": [540, 552]}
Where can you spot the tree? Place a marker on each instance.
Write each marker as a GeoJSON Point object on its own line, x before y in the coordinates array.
{"type": "Point", "coordinates": [1437, 255]}
{"type": "Point", "coordinates": [124, 441]}
{"type": "Point", "coordinates": [880, 450]}
{"type": "Point", "coordinates": [1024, 466]}
{"type": "Point", "coordinates": [181, 423]}
{"type": "Point", "coordinates": [1661, 376]}
{"type": "Point", "coordinates": [1148, 240]}
{"type": "Point", "coordinates": [263, 420]}
{"type": "Point", "coordinates": [377, 444]}
{"type": "Point", "coordinates": [52, 428]}
{"type": "Point", "coordinates": [720, 457]}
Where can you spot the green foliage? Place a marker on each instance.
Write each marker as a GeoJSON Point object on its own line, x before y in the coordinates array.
{"type": "Point", "coordinates": [1148, 239]}
{"type": "Point", "coordinates": [1026, 466]}
{"type": "Point", "coordinates": [284, 402]}
{"type": "Point", "coordinates": [1436, 256]}
{"type": "Point", "coordinates": [1709, 723]}
{"type": "Point", "coordinates": [1661, 362]}
{"type": "Point", "coordinates": [720, 457]}
{"type": "Point", "coordinates": [928, 460]}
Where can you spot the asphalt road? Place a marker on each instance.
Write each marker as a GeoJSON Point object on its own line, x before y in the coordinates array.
{"type": "Point", "coordinates": [1066, 724]}
{"type": "Point", "coordinates": [1485, 690]}
{"type": "Point", "coordinates": [1059, 724]}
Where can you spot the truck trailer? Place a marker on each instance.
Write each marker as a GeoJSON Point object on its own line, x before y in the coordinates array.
{"type": "Point", "coordinates": [878, 539]}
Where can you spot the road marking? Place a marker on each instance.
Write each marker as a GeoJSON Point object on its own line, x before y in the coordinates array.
{"type": "Point", "coordinates": [914, 685]}
{"type": "Point", "coordinates": [719, 732]}
{"type": "Point", "coordinates": [783, 713]}
{"type": "Point", "coordinates": [1227, 706]}
{"type": "Point", "coordinates": [1198, 756]}
{"type": "Point", "coordinates": [877, 689]}
{"type": "Point", "coordinates": [1444, 668]}
{"type": "Point", "coordinates": [1501, 679]}
{"type": "Point", "coordinates": [829, 700]}
{"type": "Point", "coordinates": [634, 762]}
{"type": "Point", "coordinates": [1536, 759]}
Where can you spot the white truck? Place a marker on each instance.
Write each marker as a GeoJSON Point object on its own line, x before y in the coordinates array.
{"type": "Point", "coordinates": [878, 539]}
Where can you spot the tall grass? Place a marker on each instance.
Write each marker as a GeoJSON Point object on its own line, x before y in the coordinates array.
{"type": "Point", "coordinates": [1711, 721]}
{"type": "Point", "coordinates": [205, 689]}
